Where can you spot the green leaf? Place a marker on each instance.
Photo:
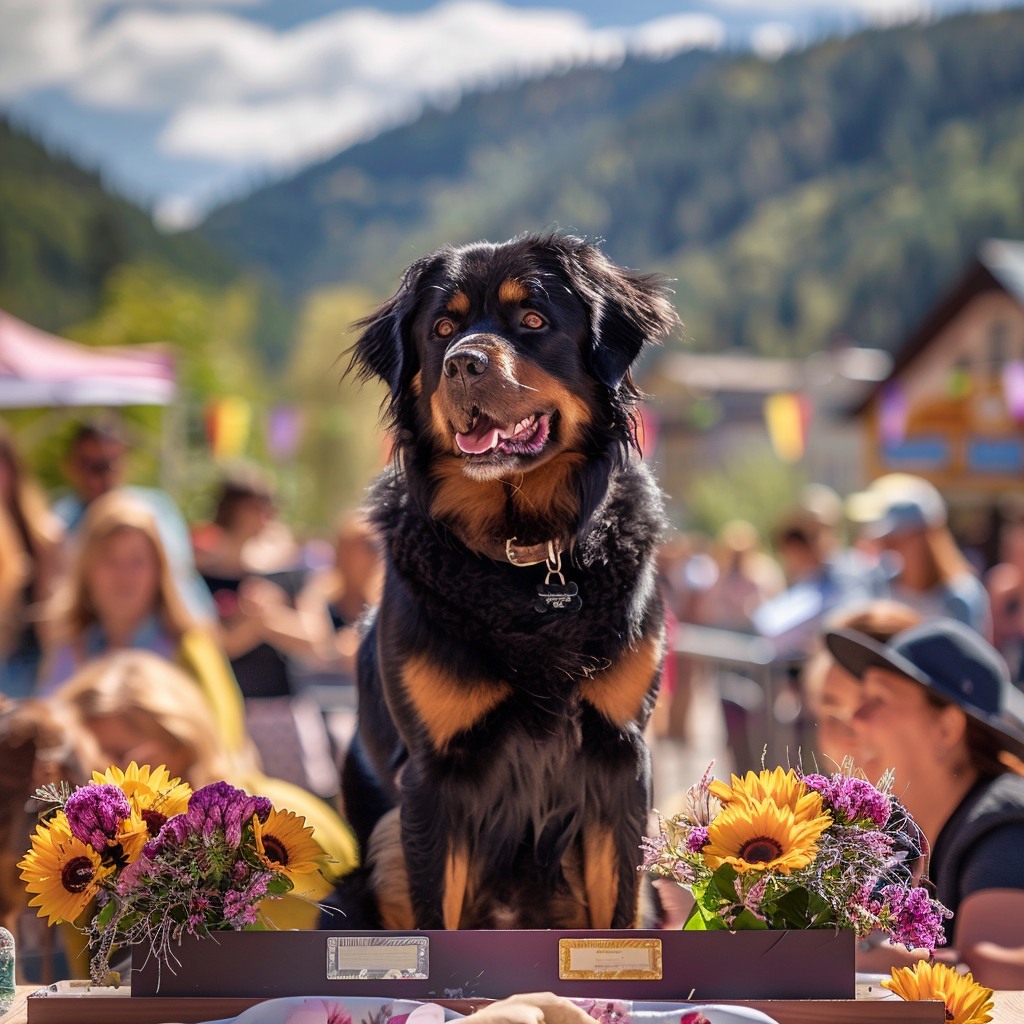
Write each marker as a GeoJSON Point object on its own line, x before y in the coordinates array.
{"type": "Point", "coordinates": [102, 919]}
{"type": "Point", "coordinates": [746, 921]}
{"type": "Point", "coordinates": [279, 886]}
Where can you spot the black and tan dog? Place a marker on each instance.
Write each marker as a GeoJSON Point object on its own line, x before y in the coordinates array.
{"type": "Point", "coordinates": [515, 657]}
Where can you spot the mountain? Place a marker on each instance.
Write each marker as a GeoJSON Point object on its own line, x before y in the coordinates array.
{"type": "Point", "coordinates": [832, 192]}
{"type": "Point", "coordinates": [62, 232]}
{"type": "Point", "coordinates": [452, 174]}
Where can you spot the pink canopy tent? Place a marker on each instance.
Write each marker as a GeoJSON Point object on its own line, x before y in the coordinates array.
{"type": "Point", "coordinates": [40, 370]}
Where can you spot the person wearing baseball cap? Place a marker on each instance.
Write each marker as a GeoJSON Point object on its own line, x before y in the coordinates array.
{"type": "Point", "coordinates": [938, 708]}
{"type": "Point", "coordinates": [906, 517]}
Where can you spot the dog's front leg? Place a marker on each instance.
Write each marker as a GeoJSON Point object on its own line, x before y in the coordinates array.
{"type": "Point", "coordinates": [617, 802]}
{"type": "Point", "coordinates": [436, 860]}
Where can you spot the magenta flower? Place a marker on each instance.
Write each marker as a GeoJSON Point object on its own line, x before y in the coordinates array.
{"type": "Point", "coordinates": [850, 799]}
{"type": "Point", "coordinates": [220, 807]}
{"type": "Point", "coordinates": [171, 836]}
{"type": "Point", "coordinates": [653, 848]}
{"type": "Point", "coordinates": [333, 1012]}
{"type": "Point", "coordinates": [697, 839]}
{"type": "Point", "coordinates": [913, 918]}
{"type": "Point", "coordinates": [95, 814]}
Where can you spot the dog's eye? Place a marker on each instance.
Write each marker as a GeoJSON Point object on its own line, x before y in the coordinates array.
{"type": "Point", "coordinates": [444, 328]}
{"type": "Point", "coordinates": [534, 321]}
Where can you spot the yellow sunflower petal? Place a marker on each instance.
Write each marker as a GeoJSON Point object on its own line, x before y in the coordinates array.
{"type": "Point", "coordinates": [133, 835]}
{"type": "Point", "coordinates": [287, 845]}
{"type": "Point", "coordinates": [785, 788]}
{"type": "Point", "coordinates": [61, 872]}
{"type": "Point", "coordinates": [149, 788]}
{"type": "Point", "coordinates": [966, 1001]}
{"type": "Point", "coordinates": [763, 836]}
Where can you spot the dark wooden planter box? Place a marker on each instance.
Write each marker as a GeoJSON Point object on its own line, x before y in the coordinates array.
{"type": "Point", "coordinates": [636, 965]}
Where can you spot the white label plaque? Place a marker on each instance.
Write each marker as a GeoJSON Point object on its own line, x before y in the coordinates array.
{"type": "Point", "coordinates": [594, 959]}
{"type": "Point", "coordinates": [373, 958]}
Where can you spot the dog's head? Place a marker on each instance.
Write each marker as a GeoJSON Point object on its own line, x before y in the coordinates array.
{"type": "Point", "coordinates": [504, 358]}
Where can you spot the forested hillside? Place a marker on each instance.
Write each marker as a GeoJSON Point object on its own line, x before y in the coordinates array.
{"type": "Point", "coordinates": [62, 234]}
{"type": "Point", "coordinates": [836, 190]}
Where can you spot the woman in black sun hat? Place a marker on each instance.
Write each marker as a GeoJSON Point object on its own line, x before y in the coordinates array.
{"type": "Point", "coordinates": [937, 707]}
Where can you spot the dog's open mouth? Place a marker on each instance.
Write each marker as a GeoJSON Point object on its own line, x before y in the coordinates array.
{"type": "Point", "coordinates": [486, 436]}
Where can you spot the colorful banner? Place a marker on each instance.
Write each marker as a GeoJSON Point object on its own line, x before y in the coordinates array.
{"type": "Point", "coordinates": [228, 422]}
{"type": "Point", "coordinates": [647, 429]}
{"type": "Point", "coordinates": [893, 414]}
{"type": "Point", "coordinates": [787, 416]}
{"type": "Point", "coordinates": [1013, 388]}
{"type": "Point", "coordinates": [284, 429]}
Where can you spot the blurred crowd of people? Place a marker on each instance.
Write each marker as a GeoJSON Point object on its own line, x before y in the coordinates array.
{"type": "Point", "coordinates": [888, 648]}
{"type": "Point", "coordinates": [127, 633]}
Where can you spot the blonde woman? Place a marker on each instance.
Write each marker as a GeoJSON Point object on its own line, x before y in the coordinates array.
{"type": "Point", "coordinates": [134, 706]}
{"type": "Point", "coordinates": [29, 541]}
{"type": "Point", "coordinates": [120, 594]}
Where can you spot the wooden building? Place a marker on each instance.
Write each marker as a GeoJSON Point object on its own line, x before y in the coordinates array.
{"type": "Point", "coordinates": [952, 409]}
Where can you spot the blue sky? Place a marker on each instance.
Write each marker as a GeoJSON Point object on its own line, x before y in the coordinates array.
{"type": "Point", "coordinates": [182, 103]}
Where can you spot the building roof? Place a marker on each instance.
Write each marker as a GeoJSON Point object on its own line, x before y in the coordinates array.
{"type": "Point", "coordinates": [741, 381]}
{"type": "Point", "coordinates": [1005, 261]}
{"type": "Point", "coordinates": [998, 264]}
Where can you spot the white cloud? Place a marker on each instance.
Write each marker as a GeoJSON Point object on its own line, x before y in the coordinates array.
{"type": "Point", "coordinates": [43, 42]}
{"type": "Point", "coordinates": [237, 92]}
{"type": "Point", "coordinates": [664, 37]}
{"type": "Point", "coordinates": [772, 39]}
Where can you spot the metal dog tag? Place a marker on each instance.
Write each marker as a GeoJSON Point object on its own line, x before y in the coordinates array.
{"type": "Point", "coordinates": [560, 596]}
{"type": "Point", "coordinates": [557, 597]}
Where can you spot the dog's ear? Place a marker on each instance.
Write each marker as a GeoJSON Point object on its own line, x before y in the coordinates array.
{"type": "Point", "coordinates": [627, 310]}
{"type": "Point", "coordinates": [384, 348]}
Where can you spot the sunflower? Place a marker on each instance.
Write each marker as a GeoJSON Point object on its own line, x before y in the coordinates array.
{"type": "Point", "coordinates": [287, 845]}
{"type": "Point", "coordinates": [133, 835]}
{"type": "Point", "coordinates": [784, 788]}
{"type": "Point", "coordinates": [63, 872]}
{"type": "Point", "coordinates": [151, 791]}
{"type": "Point", "coordinates": [966, 1001]}
{"type": "Point", "coordinates": [761, 836]}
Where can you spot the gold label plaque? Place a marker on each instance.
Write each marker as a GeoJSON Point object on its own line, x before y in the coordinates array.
{"type": "Point", "coordinates": [604, 959]}
{"type": "Point", "coordinates": [372, 958]}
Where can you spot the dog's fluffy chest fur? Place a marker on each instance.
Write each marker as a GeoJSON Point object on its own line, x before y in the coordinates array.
{"type": "Point", "coordinates": [490, 607]}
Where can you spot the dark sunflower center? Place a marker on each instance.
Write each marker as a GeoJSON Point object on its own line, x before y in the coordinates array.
{"type": "Point", "coordinates": [76, 875]}
{"type": "Point", "coordinates": [949, 1014]}
{"type": "Point", "coordinates": [154, 820]}
{"type": "Point", "coordinates": [760, 849]}
{"type": "Point", "coordinates": [275, 849]}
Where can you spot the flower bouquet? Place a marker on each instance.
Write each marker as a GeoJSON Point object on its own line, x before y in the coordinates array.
{"type": "Point", "coordinates": [158, 862]}
{"type": "Point", "coordinates": [786, 850]}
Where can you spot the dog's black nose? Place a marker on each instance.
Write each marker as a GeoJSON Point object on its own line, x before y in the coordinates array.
{"type": "Point", "coordinates": [466, 362]}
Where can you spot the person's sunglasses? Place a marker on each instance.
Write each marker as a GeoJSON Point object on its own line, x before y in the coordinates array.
{"type": "Point", "coordinates": [97, 467]}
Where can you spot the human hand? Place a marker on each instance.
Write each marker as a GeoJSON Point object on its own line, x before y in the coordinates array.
{"type": "Point", "coordinates": [532, 1008]}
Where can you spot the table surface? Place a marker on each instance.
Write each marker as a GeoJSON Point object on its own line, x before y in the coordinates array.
{"type": "Point", "coordinates": [1009, 1009]}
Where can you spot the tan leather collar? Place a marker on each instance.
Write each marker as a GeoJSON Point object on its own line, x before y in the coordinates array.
{"type": "Point", "coordinates": [525, 554]}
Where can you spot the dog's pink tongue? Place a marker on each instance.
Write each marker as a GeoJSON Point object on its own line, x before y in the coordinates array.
{"type": "Point", "coordinates": [483, 439]}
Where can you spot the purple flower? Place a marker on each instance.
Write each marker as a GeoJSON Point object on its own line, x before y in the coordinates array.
{"type": "Point", "coordinates": [333, 1013]}
{"type": "Point", "coordinates": [697, 839]}
{"type": "Point", "coordinates": [240, 905]}
{"type": "Point", "coordinates": [851, 799]}
{"type": "Point", "coordinates": [171, 836]}
{"type": "Point", "coordinates": [95, 814]}
{"type": "Point", "coordinates": [134, 875]}
{"type": "Point", "coordinates": [220, 807]}
{"type": "Point", "coordinates": [913, 918]}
